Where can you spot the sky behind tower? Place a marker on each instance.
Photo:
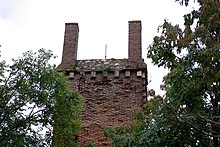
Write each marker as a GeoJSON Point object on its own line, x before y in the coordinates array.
{"type": "Point", "coordinates": [34, 24]}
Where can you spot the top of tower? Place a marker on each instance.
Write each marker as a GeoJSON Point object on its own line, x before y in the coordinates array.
{"type": "Point", "coordinates": [105, 64]}
{"type": "Point", "coordinates": [69, 58]}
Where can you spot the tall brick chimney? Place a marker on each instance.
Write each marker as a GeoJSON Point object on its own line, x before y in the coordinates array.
{"type": "Point", "coordinates": [70, 45]}
{"type": "Point", "coordinates": [134, 42]}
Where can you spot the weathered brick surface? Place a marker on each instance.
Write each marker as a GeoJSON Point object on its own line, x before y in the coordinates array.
{"type": "Point", "coordinates": [112, 88]}
{"type": "Point", "coordinates": [110, 101]}
{"type": "Point", "coordinates": [70, 46]}
{"type": "Point", "coordinates": [134, 44]}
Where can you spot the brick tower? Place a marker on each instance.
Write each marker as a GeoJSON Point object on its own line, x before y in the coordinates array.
{"type": "Point", "coordinates": [112, 88]}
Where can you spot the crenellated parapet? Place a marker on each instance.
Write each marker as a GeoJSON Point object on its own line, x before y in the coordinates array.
{"type": "Point", "coordinates": [108, 69]}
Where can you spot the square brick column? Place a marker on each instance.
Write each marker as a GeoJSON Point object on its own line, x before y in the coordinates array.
{"type": "Point", "coordinates": [70, 45]}
{"type": "Point", "coordinates": [134, 41]}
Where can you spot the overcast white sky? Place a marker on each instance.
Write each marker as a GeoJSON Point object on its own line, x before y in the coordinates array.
{"type": "Point", "coordinates": [34, 24]}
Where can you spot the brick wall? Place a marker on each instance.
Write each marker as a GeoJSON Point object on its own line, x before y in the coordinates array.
{"type": "Point", "coordinates": [134, 40]}
{"type": "Point", "coordinates": [70, 45]}
{"type": "Point", "coordinates": [110, 101]}
{"type": "Point", "coordinates": [112, 88]}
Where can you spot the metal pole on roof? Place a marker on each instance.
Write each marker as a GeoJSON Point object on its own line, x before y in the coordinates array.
{"type": "Point", "coordinates": [105, 51]}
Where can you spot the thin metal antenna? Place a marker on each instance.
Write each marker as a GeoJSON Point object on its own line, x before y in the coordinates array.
{"type": "Point", "coordinates": [105, 51]}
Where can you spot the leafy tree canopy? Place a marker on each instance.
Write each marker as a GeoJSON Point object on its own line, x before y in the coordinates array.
{"type": "Point", "coordinates": [36, 104]}
{"type": "Point", "coordinates": [190, 113]}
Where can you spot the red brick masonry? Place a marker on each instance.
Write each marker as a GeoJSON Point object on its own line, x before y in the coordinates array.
{"type": "Point", "coordinates": [112, 88]}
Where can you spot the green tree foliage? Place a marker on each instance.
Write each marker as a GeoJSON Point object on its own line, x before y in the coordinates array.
{"type": "Point", "coordinates": [190, 110]}
{"type": "Point", "coordinates": [37, 108]}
